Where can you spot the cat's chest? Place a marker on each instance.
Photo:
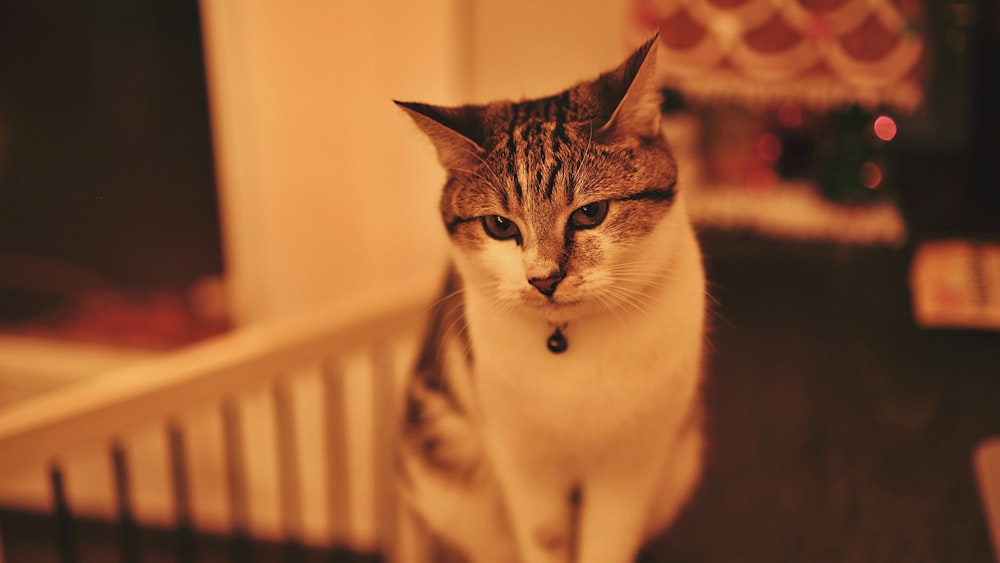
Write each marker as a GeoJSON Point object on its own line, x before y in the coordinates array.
{"type": "Point", "coordinates": [598, 357]}
{"type": "Point", "coordinates": [611, 380]}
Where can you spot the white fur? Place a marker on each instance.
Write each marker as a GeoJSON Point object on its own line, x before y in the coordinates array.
{"type": "Point", "coordinates": [610, 415]}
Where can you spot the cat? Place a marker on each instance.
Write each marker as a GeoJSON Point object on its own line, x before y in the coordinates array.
{"type": "Point", "coordinates": [554, 412]}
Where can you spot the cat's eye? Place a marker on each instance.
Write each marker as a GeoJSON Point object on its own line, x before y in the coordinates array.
{"type": "Point", "coordinates": [589, 216]}
{"type": "Point", "coordinates": [500, 228]}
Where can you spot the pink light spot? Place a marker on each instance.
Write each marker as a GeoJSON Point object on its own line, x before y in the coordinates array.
{"type": "Point", "coordinates": [761, 181]}
{"type": "Point", "coordinates": [870, 175]}
{"type": "Point", "coordinates": [768, 147]}
{"type": "Point", "coordinates": [885, 128]}
{"type": "Point", "coordinates": [790, 116]}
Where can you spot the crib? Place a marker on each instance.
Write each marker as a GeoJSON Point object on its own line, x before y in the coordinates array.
{"type": "Point", "coordinates": [277, 432]}
{"type": "Point", "coordinates": [273, 437]}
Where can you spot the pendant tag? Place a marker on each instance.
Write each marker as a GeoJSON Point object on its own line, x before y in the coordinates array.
{"type": "Point", "coordinates": [557, 342]}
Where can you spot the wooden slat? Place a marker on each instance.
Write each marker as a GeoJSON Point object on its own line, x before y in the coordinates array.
{"type": "Point", "coordinates": [260, 464]}
{"type": "Point", "coordinates": [88, 481]}
{"type": "Point", "coordinates": [184, 545]}
{"type": "Point", "coordinates": [235, 459]}
{"type": "Point", "coordinates": [128, 531]}
{"type": "Point", "coordinates": [148, 453]}
{"type": "Point", "coordinates": [305, 394]}
{"type": "Point", "coordinates": [65, 535]}
{"type": "Point", "coordinates": [383, 406]}
{"type": "Point", "coordinates": [289, 481]}
{"type": "Point", "coordinates": [334, 410]}
{"type": "Point", "coordinates": [237, 482]}
{"type": "Point", "coordinates": [96, 410]}
{"type": "Point", "coordinates": [205, 464]}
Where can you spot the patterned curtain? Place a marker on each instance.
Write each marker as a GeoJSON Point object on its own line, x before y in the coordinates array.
{"type": "Point", "coordinates": [814, 53]}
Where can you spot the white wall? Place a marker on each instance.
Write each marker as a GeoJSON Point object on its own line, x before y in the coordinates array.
{"type": "Point", "coordinates": [326, 187]}
{"type": "Point", "coordinates": [530, 48]}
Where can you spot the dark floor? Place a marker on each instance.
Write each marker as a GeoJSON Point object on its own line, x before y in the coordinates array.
{"type": "Point", "coordinates": [33, 538]}
{"type": "Point", "coordinates": [838, 430]}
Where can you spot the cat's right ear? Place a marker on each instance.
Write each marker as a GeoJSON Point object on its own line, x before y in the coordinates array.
{"type": "Point", "coordinates": [457, 133]}
{"type": "Point", "coordinates": [637, 113]}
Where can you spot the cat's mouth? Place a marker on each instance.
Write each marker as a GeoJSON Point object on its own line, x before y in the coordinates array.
{"type": "Point", "coordinates": [565, 303]}
{"type": "Point", "coordinates": [557, 308]}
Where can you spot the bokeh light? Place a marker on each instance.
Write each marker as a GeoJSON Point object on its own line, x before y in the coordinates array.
{"type": "Point", "coordinates": [870, 175]}
{"type": "Point", "coordinates": [885, 128]}
{"type": "Point", "coordinates": [768, 147]}
{"type": "Point", "coordinates": [789, 115]}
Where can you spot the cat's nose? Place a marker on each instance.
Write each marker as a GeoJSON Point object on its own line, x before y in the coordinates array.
{"type": "Point", "coordinates": [547, 286]}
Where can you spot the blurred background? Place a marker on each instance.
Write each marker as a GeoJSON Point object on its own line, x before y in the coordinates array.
{"type": "Point", "coordinates": [213, 165]}
{"type": "Point", "coordinates": [168, 169]}
{"type": "Point", "coordinates": [172, 171]}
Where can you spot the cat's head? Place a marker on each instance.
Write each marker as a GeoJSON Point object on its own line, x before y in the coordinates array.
{"type": "Point", "coordinates": [559, 204]}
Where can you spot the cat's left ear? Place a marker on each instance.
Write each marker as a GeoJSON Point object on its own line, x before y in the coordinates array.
{"type": "Point", "coordinates": [457, 133]}
{"type": "Point", "coordinates": [638, 112]}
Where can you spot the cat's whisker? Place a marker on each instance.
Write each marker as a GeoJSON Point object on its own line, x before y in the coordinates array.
{"type": "Point", "coordinates": [639, 263]}
{"type": "Point", "coordinates": [498, 302]}
{"type": "Point", "coordinates": [640, 281]}
{"type": "Point", "coordinates": [648, 289]}
{"type": "Point", "coordinates": [458, 323]}
{"type": "Point", "coordinates": [715, 311]}
{"type": "Point", "coordinates": [652, 279]}
{"type": "Point", "coordinates": [467, 350]}
{"type": "Point", "coordinates": [641, 278]}
{"type": "Point", "coordinates": [709, 344]}
{"type": "Point", "coordinates": [642, 300]}
{"type": "Point", "coordinates": [456, 326]}
{"type": "Point", "coordinates": [441, 301]}
{"type": "Point", "coordinates": [456, 294]}
{"type": "Point", "coordinates": [715, 301]}
{"type": "Point", "coordinates": [645, 293]}
{"type": "Point", "coordinates": [632, 300]}
{"type": "Point", "coordinates": [611, 304]}
{"type": "Point", "coordinates": [448, 332]}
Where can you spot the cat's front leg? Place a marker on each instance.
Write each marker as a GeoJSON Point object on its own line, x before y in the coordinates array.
{"type": "Point", "coordinates": [622, 509]}
{"type": "Point", "coordinates": [542, 507]}
{"type": "Point", "coordinates": [613, 519]}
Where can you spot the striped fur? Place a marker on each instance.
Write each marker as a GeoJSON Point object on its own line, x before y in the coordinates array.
{"type": "Point", "coordinates": [508, 451]}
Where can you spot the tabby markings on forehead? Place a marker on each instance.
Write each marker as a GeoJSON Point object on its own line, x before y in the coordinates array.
{"type": "Point", "coordinates": [538, 129]}
{"type": "Point", "coordinates": [558, 130]}
{"type": "Point", "coordinates": [512, 150]}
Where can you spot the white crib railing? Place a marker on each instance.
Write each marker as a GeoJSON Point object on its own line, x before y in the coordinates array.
{"type": "Point", "coordinates": [280, 432]}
